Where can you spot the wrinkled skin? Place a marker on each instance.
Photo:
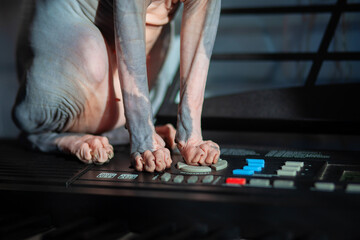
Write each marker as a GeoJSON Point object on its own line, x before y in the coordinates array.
{"type": "Point", "coordinates": [86, 67]}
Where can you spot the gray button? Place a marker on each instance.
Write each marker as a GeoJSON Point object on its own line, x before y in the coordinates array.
{"type": "Point", "coordinates": [165, 177]}
{"type": "Point", "coordinates": [106, 175]}
{"type": "Point", "coordinates": [291, 168]}
{"type": "Point", "coordinates": [325, 186]}
{"type": "Point", "coordinates": [196, 169]}
{"type": "Point", "coordinates": [286, 173]}
{"type": "Point", "coordinates": [220, 165]}
{"type": "Point", "coordinates": [192, 179]}
{"type": "Point", "coordinates": [180, 165]}
{"type": "Point", "coordinates": [353, 188]}
{"type": "Point", "coordinates": [128, 176]}
{"type": "Point", "coordinates": [208, 179]}
{"type": "Point", "coordinates": [257, 182]}
{"type": "Point", "coordinates": [178, 179]}
{"type": "Point", "coordinates": [294, 163]}
{"type": "Point", "coordinates": [283, 184]}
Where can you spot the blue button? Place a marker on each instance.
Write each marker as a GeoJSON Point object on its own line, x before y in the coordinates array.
{"type": "Point", "coordinates": [251, 161]}
{"type": "Point", "coordinates": [256, 168]}
{"type": "Point", "coordinates": [243, 172]}
{"type": "Point", "coordinates": [256, 165]}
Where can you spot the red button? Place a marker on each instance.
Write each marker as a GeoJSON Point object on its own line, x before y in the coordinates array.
{"type": "Point", "coordinates": [239, 181]}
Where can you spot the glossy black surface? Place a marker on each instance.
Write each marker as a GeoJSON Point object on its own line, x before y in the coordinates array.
{"type": "Point", "coordinates": [50, 191]}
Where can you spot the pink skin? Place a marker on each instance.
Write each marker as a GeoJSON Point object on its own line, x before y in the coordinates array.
{"type": "Point", "coordinates": [200, 18]}
{"type": "Point", "coordinates": [96, 149]}
{"type": "Point", "coordinates": [105, 97]}
{"type": "Point", "coordinates": [167, 132]}
{"type": "Point", "coordinates": [149, 161]}
{"type": "Point", "coordinates": [123, 78]}
{"type": "Point", "coordinates": [147, 147]}
{"type": "Point", "coordinates": [194, 65]}
{"type": "Point", "coordinates": [88, 148]}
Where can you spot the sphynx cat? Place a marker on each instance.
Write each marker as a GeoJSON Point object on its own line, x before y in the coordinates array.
{"type": "Point", "coordinates": [86, 67]}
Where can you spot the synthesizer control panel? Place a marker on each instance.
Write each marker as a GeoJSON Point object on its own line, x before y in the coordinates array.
{"type": "Point", "coordinates": [246, 169]}
{"type": "Point", "coordinates": [262, 191]}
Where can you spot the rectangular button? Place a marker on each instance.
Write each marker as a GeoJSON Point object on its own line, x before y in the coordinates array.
{"type": "Point", "coordinates": [294, 163]}
{"type": "Point", "coordinates": [106, 175]}
{"type": "Point", "coordinates": [291, 168]}
{"type": "Point", "coordinates": [128, 176]}
{"type": "Point", "coordinates": [208, 179]}
{"type": "Point", "coordinates": [178, 179]}
{"type": "Point", "coordinates": [353, 188]}
{"type": "Point", "coordinates": [283, 184]}
{"type": "Point", "coordinates": [256, 165]}
{"type": "Point", "coordinates": [238, 181]}
{"type": "Point", "coordinates": [253, 168]}
{"type": "Point", "coordinates": [257, 182]}
{"type": "Point", "coordinates": [192, 179]}
{"type": "Point", "coordinates": [325, 186]}
{"type": "Point", "coordinates": [284, 173]}
{"type": "Point", "coordinates": [243, 172]}
{"type": "Point", "coordinates": [165, 177]}
{"type": "Point", "coordinates": [255, 161]}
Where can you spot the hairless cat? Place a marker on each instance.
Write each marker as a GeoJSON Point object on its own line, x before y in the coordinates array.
{"type": "Point", "coordinates": [86, 66]}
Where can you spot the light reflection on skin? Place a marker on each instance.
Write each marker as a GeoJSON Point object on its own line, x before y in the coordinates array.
{"type": "Point", "coordinates": [125, 79]}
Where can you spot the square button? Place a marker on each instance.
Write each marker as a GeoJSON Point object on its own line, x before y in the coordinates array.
{"type": "Point", "coordinates": [178, 179]}
{"type": "Point", "coordinates": [294, 163]}
{"type": "Point", "coordinates": [165, 177]}
{"type": "Point", "coordinates": [285, 173]}
{"type": "Point", "coordinates": [353, 188]}
{"type": "Point", "coordinates": [192, 179]}
{"type": "Point", "coordinates": [208, 179]}
{"type": "Point", "coordinates": [291, 168]}
{"type": "Point", "coordinates": [256, 182]}
{"type": "Point", "coordinates": [324, 186]}
{"type": "Point", "coordinates": [283, 184]}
